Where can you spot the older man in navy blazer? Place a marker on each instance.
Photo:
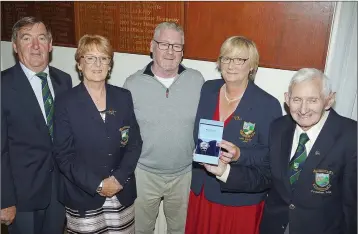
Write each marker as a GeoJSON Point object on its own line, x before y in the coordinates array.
{"type": "Point", "coordinates": [311, 167]}
{"type": "Point", "coordinates": [29, 176]}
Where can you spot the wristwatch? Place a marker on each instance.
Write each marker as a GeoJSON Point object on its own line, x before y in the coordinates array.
{"type": "Point", "coordinates": [99, 188]}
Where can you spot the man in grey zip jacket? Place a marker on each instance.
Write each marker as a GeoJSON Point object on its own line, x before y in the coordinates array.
{"type": "Point", "coordinates": [165, 95]}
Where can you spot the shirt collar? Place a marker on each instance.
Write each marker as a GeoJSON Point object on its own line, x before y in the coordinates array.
{"type": "Point", "coordinates": [315, 130]}
{"type": "Point", "coordinates": [30, 74]}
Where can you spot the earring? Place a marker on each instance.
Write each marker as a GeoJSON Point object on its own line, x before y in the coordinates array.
{"type": "Point", "coordinates": [81, 74]}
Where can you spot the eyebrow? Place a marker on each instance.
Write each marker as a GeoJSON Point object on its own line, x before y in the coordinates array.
{"type": "Point", "coordinates": [28, 34]}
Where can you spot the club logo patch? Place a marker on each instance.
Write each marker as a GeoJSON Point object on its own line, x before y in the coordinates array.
{"type": "Point", "coordinates": [247, 132]}
{"type": "Point", "coordinates": [322, 181]}
{"type": "Point", "coordinates": [124, 135]}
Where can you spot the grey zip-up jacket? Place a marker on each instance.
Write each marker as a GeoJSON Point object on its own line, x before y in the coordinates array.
{"type": "Point", "coordinates": [166, 119]}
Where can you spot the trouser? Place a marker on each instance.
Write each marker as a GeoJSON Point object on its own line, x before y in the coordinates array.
{"type": "Point", "coordinates": [151, 189]}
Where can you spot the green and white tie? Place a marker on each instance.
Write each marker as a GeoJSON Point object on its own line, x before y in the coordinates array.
{"type": "Point", "coordinates": [298, 158]}
{"type": "Point", "coordinates": [48, 101]}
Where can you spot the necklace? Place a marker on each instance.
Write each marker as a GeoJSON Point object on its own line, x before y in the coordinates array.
{"type": "Point", "coordinates": [233, 99]}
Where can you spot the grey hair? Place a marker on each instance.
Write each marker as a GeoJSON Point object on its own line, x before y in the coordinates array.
{"type": "Point", "coordinates": [168, 25]}
{"type": "Point", "coordinates": [310, 74]}
{"type": "Point", "coordinates": [28, 21]}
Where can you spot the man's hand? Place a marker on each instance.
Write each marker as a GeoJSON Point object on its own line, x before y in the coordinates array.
{"type": "Point", "coordinates": [110, 187]}
{"type": "Point", "coordinates": [232, 154]}
{"type": "Point", "coordinates": [216, 170]}
{"type": "Point", "coordinates": [8, 215]}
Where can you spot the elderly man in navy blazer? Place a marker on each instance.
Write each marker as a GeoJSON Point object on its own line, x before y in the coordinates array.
{"type": "Point", "coordinates": [29, 175]}
{"type": "Point", "coordinates": [311, 167]}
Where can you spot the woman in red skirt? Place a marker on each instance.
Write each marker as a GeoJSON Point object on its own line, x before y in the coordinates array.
{"type": "Point", "coordinates": [247, 112]}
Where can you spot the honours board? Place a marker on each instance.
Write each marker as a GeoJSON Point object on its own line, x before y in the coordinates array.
{"type": "Point", "coordinates": [289, 35]}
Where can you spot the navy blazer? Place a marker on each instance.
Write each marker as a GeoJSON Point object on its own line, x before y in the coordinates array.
{"type": "Point", "coordinates": [89, 150]}
{"type": "Point", "coordinates": [26, 146]}
{"type": "Point", "coordinates": [312, 206]}
{"type": "Point", "coordinates": [256, 108]}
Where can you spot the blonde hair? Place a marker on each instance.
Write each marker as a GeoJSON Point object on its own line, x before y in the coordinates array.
{"type": "Point", "coordinates": [88, 42]}
{"type": "Point", "coordinates": [236, 44]}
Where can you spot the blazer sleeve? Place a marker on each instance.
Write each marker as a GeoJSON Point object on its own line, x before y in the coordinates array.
{"type": "Point", "coordinates": [65, 152]}
{"type": "Point", "coordinates": [349, 187]}
{"type": "Point", "coordinates": [8, 196]}
{"type": "Point", "coordinates": [254, 178]}
{"type": "Point", "coordinates": [133, 148]}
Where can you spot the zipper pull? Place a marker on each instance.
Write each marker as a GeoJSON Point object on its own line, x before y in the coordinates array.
{"type": "Point", "coordinates": [167, 93]}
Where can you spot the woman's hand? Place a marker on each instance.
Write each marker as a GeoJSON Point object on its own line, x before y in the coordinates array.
{"type": "Point", "coordinates": [232, 154]}
{"type": "Point", "coordinates": [216, 170]}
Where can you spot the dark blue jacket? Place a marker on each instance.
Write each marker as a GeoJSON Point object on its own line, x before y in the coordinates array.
{"type": "Point", "coordinates": [256, 107]}
{"type": "Point", "coordinates": [27, 163]}
{"type": "Point", "coordinates": [89, 150]}
{"type": "Point", "coordinates": [311, 207]}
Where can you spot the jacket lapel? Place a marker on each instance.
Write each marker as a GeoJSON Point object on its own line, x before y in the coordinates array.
{"type": "Point", "coordinates": [55, 80]}
{"type": "Point", "coordinates": [28, 98]}
{"type": "Point", "coordinates": [286, 148]}
{"type": "Point", "coordinates": [322, 146]}
{"type": "Point", "coordinates": [87, 105]}
{"type": "Point", "coordinates": [246, 102]}
{"type": "Point", "coordinates": [113, 112]}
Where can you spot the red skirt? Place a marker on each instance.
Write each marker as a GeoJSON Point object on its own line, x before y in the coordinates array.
{"type": "Point", "coordinates": [205, 217]}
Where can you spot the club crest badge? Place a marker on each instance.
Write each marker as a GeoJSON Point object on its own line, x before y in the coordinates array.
{"type": "Point", "coordinates": [124, 135]}
{"type": "Point", "coordinates": [322, 181]}
{"type": "Point", "coordinates": [247, 132]}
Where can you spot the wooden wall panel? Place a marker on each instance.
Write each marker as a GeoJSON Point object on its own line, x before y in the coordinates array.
{"type": "Point", "coordinates": [289, 35]}
{"type": "Point", "coordinates": [128, 25]}
{"type": "Point", "coordinates": [59, 15]}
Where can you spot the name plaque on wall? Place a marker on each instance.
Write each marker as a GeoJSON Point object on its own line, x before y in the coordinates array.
{"type": "Point", "coordinates": [128, 25]}
{"type": "Point", "coordinates": [289, 35]}
{"type": "Point", "coordinates": [58, 15]}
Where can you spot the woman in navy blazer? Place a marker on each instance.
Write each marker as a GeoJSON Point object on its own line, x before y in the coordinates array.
{"type": "Point", "coordinates": [97, 145]}
{"type": "Point", "coordinates": [247, 112]}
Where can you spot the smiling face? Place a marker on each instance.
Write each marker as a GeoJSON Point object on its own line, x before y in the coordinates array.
{"type": "Point", "coordinates": [33, 46]}
{"type": "Point", "coordinates": [232, 72]}
{"type": "Point", "coordinates": [308, 103]}
{"type": "Point", "coordinates": [92, 66]}
{"type": "Point", "coordinates": [166, 61]}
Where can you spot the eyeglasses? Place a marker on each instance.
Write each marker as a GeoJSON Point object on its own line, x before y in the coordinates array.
{"type": "Point", "coordinates": [237, 61]}
{"type": "Point", "coordinates": [90, 59]}
{"type": "Point", "coordinates": [165, 46]}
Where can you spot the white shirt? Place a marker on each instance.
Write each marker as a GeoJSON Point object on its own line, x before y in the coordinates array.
{"type": "Point", "coordinates": [312, 135]}
{"type": "Point", "coordinates": [36, 85]}
{"type": "Point", "coordinates": [167, 82]}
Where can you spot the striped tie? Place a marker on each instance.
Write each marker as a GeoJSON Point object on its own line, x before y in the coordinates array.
{"type": "Point", "coordinates": [48, 101]}
{"type": "Point", "coordinates": [298, 159]}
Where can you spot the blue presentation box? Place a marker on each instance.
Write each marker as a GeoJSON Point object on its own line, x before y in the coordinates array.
{"type": "Point", "coordinates": [209, 136]}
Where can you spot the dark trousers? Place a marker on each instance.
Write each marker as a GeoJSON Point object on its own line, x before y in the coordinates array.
{"type": "Point", "coordinates": [47, 221]}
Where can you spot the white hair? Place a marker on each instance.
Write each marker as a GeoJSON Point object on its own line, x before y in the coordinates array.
{"type": "Point", "coordinates": [310, 74]}
{"type": "Point", "coordinates": [168, 25]}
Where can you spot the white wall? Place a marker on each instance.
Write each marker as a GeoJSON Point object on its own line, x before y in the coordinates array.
{"type": "Point", "coordinates": [341, 65]}
{"type": "Point", "coordinates": [274, 81]}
